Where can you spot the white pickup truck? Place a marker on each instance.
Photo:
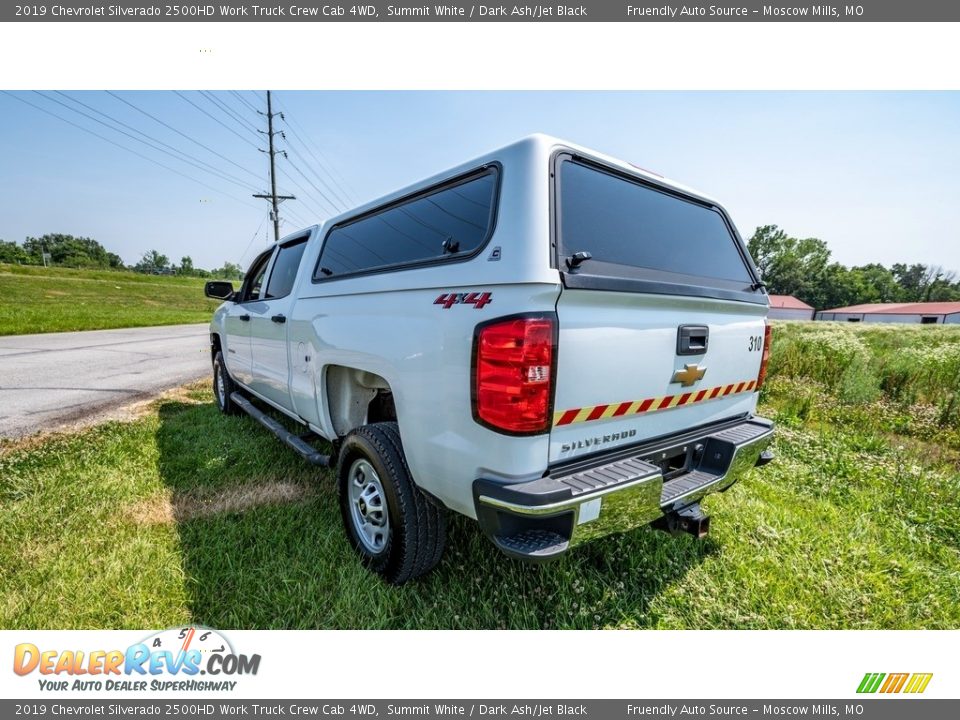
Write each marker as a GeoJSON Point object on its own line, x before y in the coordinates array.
{"type": "Point", "coordinates": [553, 342]}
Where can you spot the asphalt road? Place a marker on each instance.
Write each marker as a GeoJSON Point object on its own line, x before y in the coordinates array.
{"type": "Point", "coordinates": [56, 379]}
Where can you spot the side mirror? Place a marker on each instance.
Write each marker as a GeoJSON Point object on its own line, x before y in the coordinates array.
{"type": "Point", "coordinates": [218, 289]}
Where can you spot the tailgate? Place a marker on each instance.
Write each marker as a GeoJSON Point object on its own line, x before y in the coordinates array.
{"type": "Point", "coordinates": [619, 377]}
{"type": "Point", "coordinates": [661, 316]}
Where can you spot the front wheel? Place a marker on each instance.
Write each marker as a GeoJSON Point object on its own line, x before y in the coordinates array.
{"type": "Point", "coordinates": [223, 387]}
{"type": "Point", "coordinates": [397, 531]}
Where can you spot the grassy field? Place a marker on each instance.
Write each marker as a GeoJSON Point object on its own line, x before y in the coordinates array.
{"type": "Point", "coordinates": [184, 515]}
{"type": "Point", "coordinates": [39, 300]}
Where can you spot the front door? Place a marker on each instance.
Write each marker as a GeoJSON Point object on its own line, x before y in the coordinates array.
{"type": "Point", "coordinates": [238, 321]}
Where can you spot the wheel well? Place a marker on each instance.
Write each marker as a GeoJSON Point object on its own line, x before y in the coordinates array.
{"type": "Point", "coordinates": [215, 346]}
{"type": "Point", "coordinates": [357, 397]}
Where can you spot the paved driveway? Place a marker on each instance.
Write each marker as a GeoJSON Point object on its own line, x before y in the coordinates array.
{"type": "Point", "coordinates": [58, 378]}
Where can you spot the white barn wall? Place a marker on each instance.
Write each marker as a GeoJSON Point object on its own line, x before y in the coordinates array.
{"type": "Point", "coordinates": [789, 314]}
{"type": "Point", "coordinates": [881, 318]}
{"type": "Point", "coordinates": [841, 317]}
{"type": "Point", "coordinates": [885, 318]}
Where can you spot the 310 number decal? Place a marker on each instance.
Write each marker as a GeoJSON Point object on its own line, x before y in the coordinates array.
{"type": "Point", "coordinates": [756, 343]}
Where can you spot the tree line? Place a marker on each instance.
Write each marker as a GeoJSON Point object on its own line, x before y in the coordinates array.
{"type": "Point", "coordinates": [802, 267]}
{"type": "Point", "coordinates": [82, 252]}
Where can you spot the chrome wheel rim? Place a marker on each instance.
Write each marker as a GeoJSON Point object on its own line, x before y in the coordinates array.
{"type": "Point", "coordinates": [221, 387]}
{"type": "Point", "coordinates": [368, 506]}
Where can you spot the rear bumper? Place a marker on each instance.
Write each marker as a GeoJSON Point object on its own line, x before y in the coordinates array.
{"type": "Point", "coordinates": [617, 491]}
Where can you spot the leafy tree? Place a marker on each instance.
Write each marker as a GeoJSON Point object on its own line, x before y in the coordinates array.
{"type": "Point", "coordinates": [10, 252]}
{"type": "Point", "coordinates": [186, 266]}
{"type": "Point", "coordinates": [879, 284]}
{"type": "Point", "coordinates": [788, 265]}
{"type": "Point", "coordinates": [802, 267]}
{"type": "Point", "coordinates": [71, 251]}
{"type": "Point", "coordinates": [837, 287]}
{"type": "Point", "coordinates": [229, 271]}
{"type": "Point", "coordinates": [153, 261]}
{"type": "Point", "coordinates": [911, 280]}
{"type": "Point", "coordinates": [941, 285]}
{"type": "Point", "coordinates": [926, 283]}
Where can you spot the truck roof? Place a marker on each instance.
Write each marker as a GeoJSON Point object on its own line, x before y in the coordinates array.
{"type": "Point", "coordinates": [533, 147]}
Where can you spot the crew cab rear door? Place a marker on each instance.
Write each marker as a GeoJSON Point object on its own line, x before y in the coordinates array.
{"type": "Point", "coordinates": [268, 325]}
{"type": "Point", "coordinates": [661, 319]}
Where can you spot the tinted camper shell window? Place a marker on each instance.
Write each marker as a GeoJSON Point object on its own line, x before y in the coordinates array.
{"type": "Point", "coordinates": [450, 221]}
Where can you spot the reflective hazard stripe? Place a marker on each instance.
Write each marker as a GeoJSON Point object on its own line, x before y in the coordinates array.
{"type": "Point", "coordinates": [637, 407]}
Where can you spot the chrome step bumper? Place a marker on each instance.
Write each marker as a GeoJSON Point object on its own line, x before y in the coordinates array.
{"type": "Point", "coordinates": [616, 492]}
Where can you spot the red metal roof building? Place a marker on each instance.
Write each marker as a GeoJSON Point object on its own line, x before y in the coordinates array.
{"type": "Point", "coordinates": [787, 307]}
{"type": "Point", "coordinates": [924, 313]}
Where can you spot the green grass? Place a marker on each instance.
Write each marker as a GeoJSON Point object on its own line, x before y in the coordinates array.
{"type": "Point", "coordinates": [854, 526]}
{"type": "Point", "coordinates": [40, 300]}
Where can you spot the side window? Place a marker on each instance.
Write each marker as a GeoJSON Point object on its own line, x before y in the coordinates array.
{"type": "Point", "coordinates": [254, 278]}
{"type": "Point", "coordinates": [285, 269]}
{"type": "Point", "coordinates": [450, 221]}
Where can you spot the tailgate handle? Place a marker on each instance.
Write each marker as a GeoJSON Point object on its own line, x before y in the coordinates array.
{"type": "Point", "coordinates": [692, 339]}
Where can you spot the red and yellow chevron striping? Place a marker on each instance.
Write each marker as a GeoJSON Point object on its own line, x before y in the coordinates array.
{"type": "Point", "coordinates": [637, 407]}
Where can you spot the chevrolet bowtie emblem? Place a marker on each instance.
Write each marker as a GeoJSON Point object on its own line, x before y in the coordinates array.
{"type": "Point", "coordinates": [689, 375]}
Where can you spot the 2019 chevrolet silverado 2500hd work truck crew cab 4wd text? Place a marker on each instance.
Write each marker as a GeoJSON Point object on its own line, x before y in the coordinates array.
{"type": "Point", "coordinates": [547, 340]}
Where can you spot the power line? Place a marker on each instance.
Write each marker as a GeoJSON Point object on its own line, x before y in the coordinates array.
{"type": "Point", "coordinates": [255, 233]}
{"type": "Point", "coordinates": [341, 204]}
{"type": "Point", "coordinates": [124, 147]}
{"type": "Point", "coordinates": [217, 103]}
{"type": "Point", "coordinates": [182, 134]}
{"type": "Point", "coordinates": [304, 203]}
{"type": "Point", "coordinates": [327, 166]}
{"type": "Point", "coordinates": [346, 198]}
{"type": "Point", "coordinates": [215, 119]}
{"type": "Point", "coordinates": [191, 159]}
{"type": "Point", "coordinates": [296, 216]}
{"type": "Point", "coordinates": [297, 219]}
{"type": "Point", "coordinates": [336, 208]}
{"type": "Point", "coordinates": [242, 99]}
{"type": "Point", "coordinates": [152, 143]}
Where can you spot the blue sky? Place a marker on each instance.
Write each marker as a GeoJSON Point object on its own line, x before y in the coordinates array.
{"type": "Point", "coordinates": [876, 175]}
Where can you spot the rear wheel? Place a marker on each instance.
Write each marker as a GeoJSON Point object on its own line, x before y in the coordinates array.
{"type": "Point", "coordinates": [396, 530]}
{"type": "Point", "coordinates": [223, 386]}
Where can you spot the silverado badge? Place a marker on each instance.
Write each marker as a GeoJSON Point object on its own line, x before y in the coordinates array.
{"type": "Point", "coordinates": [689, 375]}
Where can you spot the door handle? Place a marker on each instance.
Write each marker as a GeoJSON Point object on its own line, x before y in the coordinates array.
{"type": "Point", "coordinates": [245, 318]}
{"type": "Point", "coordinates": [279, 319]}
{"type": "Point", "coordinates": [692, 339]}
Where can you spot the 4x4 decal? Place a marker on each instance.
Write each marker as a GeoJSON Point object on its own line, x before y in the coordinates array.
{"type": "Point", "coordinates": [478, 300]}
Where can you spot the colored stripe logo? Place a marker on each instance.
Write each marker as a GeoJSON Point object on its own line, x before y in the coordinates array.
{"type": "Point", "coordinates": [638, 407]}
{"type": "Point", "coordinates": [894, 683]}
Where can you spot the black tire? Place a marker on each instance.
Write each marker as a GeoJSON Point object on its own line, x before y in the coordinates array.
{"type": "Point", "coordinates": [415, 529]}
{"type": "Point", "coordinates": [221, 393]}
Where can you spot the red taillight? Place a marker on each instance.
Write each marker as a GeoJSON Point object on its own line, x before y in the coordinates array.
{"type": "Point", "coordinates": [513, 374]}
{"type": "Point", "coordinates": [767, 337]}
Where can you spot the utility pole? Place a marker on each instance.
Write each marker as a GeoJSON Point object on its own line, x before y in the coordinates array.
{"type": "Point", "coordinates": [274, 199]}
